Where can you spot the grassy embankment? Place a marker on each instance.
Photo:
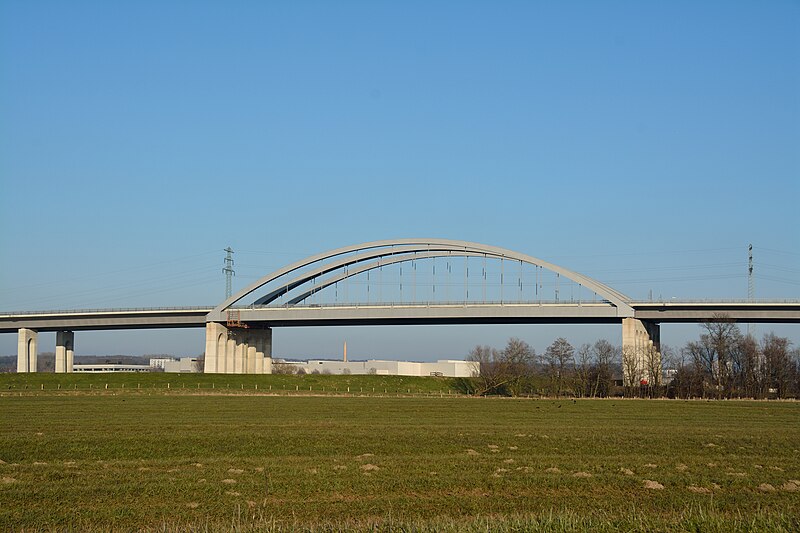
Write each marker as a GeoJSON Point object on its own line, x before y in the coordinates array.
{"type": "Point", "coordinates": [230, 383]}
{"type": "Point", "coordinates": [129, 459]}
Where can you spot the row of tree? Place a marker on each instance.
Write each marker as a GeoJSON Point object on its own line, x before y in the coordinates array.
{"type": "Point", "coordinates": [722, 363]}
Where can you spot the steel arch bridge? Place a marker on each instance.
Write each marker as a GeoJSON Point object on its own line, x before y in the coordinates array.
{"type": "Point", "coordinates": [239, 337]}
{"type": "Point", "coordinates": [298, 281]}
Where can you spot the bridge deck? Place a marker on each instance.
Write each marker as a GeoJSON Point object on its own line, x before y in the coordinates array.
{"type": "Point", "coordinates": [100, 319]}
{"type": "Point", "coordinates": [787, 311]}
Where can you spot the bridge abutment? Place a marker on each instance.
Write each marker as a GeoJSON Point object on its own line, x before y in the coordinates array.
{"type": "Point", "coordinates": [237, 350]}
{"type": "Point", "coordinates": [27, 356]}
{"type": "Point", "coordinates": [65, 353]}
{"type": "Point", "coordinates": [641, 352]}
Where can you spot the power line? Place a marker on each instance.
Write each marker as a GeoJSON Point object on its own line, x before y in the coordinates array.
{"type": "Point", "coordinates": [774, 251]}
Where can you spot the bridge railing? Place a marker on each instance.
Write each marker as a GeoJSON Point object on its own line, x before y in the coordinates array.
{"type": "Point", "coordinates": [664, 301]}
{"type": "Point", "coordinates": [455, 303]}
{"type": "Point", "coordinates": [108, 310]}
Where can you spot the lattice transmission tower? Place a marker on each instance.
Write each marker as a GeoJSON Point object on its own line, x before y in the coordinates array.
{"type": "Point", "coordinates": [229, 272]}
{"type": "Point", "coordinates": [750, 284]}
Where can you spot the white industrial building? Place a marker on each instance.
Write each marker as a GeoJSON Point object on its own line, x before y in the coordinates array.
{"type": "Point", "coordinates": [106, 368]}
{"type": "Point", "coordinates": [443, 367]}
{"type": "Point", "coordinates": [175, 365]}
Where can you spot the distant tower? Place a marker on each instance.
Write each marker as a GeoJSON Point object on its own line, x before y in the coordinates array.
{"type": "Point", "coordinates": [229, 272]}
{"type": "Point", "coordinates": [345, 351]}
{"type": "Point", "coordinates": [750, 284]}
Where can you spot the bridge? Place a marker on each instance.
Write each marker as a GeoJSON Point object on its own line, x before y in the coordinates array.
{"type": "Point", "coordinates": [366, 284]}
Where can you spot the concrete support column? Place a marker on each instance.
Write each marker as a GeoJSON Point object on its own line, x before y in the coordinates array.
{"type": "Point", "coordinates": [216, 344]}
{"type": "Point", "coordinates": [266, 351]}
{"type": "Point", "coordinates": [240, 356]}
{"type": "Point", "coordinates": [65, 352]}
{"type": "Point", "coordinates": [259, 362]}
{"type": "Point", "coordinates": [238, 351]}
{"type": "Point", "coordinates": [252, 354]}
{"type": "Point", "coordinates": [230, 351]}
{"type": "Point", "coordinates": [27, 340]}
{"type": "Point", "coordinates": [262, 344]}
{"type": "Point", "coordinates": [641, 352]}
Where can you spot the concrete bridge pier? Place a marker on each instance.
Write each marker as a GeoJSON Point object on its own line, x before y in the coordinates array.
{"type": "Point", "coordinates": [237, 350]}
{"type": "Point", "coordinates": [65, 353]}
{"type": "Point", "coordinates": [641, 352]}
{"type": "Point", "coordinates": [27, 357]}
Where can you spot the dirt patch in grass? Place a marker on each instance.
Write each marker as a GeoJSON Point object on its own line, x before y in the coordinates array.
{"type": "Point", "coordinates": [235, 471]}
{"type": "Point", "coordinates": [766, 487]}
{"type": "Point", "coordinates": [553, 470]}
{"type": "Point", "coordinates": [626, 471]}
{"type": "Point", "coordinates": [791, 486]}
{"type": "Point", "coordinates": [499, 472]}
{"type": "Point", "coordinates": [370, 467]}
{"type": "Point", "coordinates": [229, 481]}
{"type": "Point", "coordinates": [470, 451]}
{"type": "Point", "coordinates": [582, 474]}
{"type": "Point", "coordinates": [699, 490]}
{"type": "Point", "coordinates": [653, 485]}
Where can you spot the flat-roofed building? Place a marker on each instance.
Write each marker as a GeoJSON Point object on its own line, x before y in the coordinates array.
{"type": "Point", "coordinates": [444, 367]}
{"type": "Point", "coordinates": [111, 367]}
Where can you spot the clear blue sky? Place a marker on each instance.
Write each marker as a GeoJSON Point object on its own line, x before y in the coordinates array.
{"type": "Point", "coordinates": [641, 143]}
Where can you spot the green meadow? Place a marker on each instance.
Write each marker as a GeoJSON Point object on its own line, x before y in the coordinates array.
{"type": "Point", "coordinates": [241, 458]}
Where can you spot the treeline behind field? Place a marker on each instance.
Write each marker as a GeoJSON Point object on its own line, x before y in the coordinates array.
{"type": "Point", "coordinates": [722, 363]}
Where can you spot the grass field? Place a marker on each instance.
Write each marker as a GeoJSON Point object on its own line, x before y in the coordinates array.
{"type": "Point", "coordinates": [159, 459]}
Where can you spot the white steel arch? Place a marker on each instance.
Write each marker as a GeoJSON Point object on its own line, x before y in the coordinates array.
{"type": "Point", "coordinates": [406, 250]}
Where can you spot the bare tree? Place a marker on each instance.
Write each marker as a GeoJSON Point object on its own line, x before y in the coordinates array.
{"type": "Point", "coordinates": [518, 359]}
{"type": "Point", "coordinates": [722, 339]}
{"type": "Point", "coordinates": [605, 355]}
{"type": "Point", "coordinates": [583, 370]}
{"type": "Point", "coordinates": [746, 368]}
{"type": "Point", "coordinates": [654, 369]}
{"type": "Point", "coordinates": [504, 372]}
{"type": "Point", "coordinates": [778, 365]}
{"type": "Point", "coordinates": [492, 374]}
{"type": "Point", "coordinates": [559, 358]}
{"type": "Point", "coordinates": [632, 370]}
